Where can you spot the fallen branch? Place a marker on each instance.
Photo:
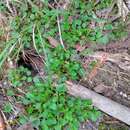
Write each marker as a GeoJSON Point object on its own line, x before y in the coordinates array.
{"type": "Point", "coordinates": [106, 105]}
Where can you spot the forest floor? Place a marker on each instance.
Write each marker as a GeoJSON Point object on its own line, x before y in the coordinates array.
{"type": "Point", "coordinates": [45, 44]}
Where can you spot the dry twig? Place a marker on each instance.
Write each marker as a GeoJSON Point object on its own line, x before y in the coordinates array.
{"type": "Point", "coordinates": [59, 28]}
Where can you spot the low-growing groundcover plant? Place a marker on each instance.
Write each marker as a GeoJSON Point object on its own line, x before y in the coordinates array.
{"type": "Point", "coordinates": [76, 25]}
{"type": "Point", "coordinates": [47, 105]}
{"type": "Point", "coordinates": [46, 102]}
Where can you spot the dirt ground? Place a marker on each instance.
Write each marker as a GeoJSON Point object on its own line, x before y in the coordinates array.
{"type": "Point", "coordinates": [111, 80]}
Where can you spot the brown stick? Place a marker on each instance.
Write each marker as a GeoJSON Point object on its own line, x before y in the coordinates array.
{"type": "Point", "coordinates": [106, 105]}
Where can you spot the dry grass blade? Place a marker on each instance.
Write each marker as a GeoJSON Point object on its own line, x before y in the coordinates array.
{"type": "Point", "coordinates": [59, 28]}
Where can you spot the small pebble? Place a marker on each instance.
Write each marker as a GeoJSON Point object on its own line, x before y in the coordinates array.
{"type": "Point", "coordinates": [123, 94]}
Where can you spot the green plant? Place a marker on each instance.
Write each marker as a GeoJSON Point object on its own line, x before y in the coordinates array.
{"type": "Point", "coordinates": [63, 63]}
{"type": "Point", "coordinates": [55, 110]}
{"type": "Point", "coordinates": [75, 26]}
{"type": "Point", "coordinates": [49, 107]}
{"type": "Point", "coordinates": [19, 77]}
{"type": "Point", "coordinates": [7, 108]}
{"type": "Point", "coordinates": [119, 31]}
{"type": "Point", "coordinates": [104, 4]}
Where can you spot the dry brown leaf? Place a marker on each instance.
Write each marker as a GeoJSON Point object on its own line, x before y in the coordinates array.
{"type": "Point", "coordinates": [80, 47]}
{"type": "Point", "coordinates": [54, 43]}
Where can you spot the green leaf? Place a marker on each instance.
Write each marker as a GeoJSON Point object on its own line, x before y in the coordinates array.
{"type": "Point", "coordinates": [103, 40]}
{"type": "Point", "coordinates": [63, 122]}
{"type": "Point", "coordinates": [57, 127]}
{"type": "Point", "coordinates": [44, 125]}
{"type": "Point", "coordinates": [69, 116]}
{"type": "Point", "coordinates": [66, 26]}
{"type": "Point", "coordinates": [61, 88]}
{"type": "Point", "coordinates": [93, 115]}
{"type": "Point", "coordinates": [10, 92]}
{"type": "Point", "coordinates": [53, 106]}
{"type": "Point", "coordinates": [70, 103]}
{"type": "Point", "coordinates": [84, 25]}
{"type": "Point", "coordinates": [30, 110]}
{"type": "Point", "coordinates": [31, 97]}
{"type": "Point", "coordinates": [23, 119]}
{"type": "Point", "coordinates": [25, 101]}
{"type": "Point", "coordinates": [36, 79]}
{"type": "Point", "coordinates": [17, 83]}
{"type": "Point", "coordinates": [24, 78]}
{"type": "Point", "coordinates": [28, 73]}
{"type": "Point", "coordinates": [86, 52]}
{"type": "Point", "coordinates": [75, 124]}
{"type": "Point", "coordinates": [38, 106]}
{"type": "Point", "coordinates": [36, 123]}
{"type": "Point", "coordinates": [108, 27]}
{"type": "Point", "coordinates": [87, 102]}
{"type": "Point", "coordinates": [98, 34]}
{"type": "Point", "coordinates": [7, 107]}
{"type": "Point", "coordinates": [73, 75]}
{"type": "Point", "coordinates": [82, 72]}
{"type": "Point", "coordinates": [80, 118]}
{"type": "Point", "coordinates": [78, 22]}
{"type": "Point", "coordinates": [72, 126]}
{"type": "Point", "coordinates": [29, 79]}
{"type": "Point", "coordinates": [55, 64]}
{"type": "Point", "coordinates": [51, 121]}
